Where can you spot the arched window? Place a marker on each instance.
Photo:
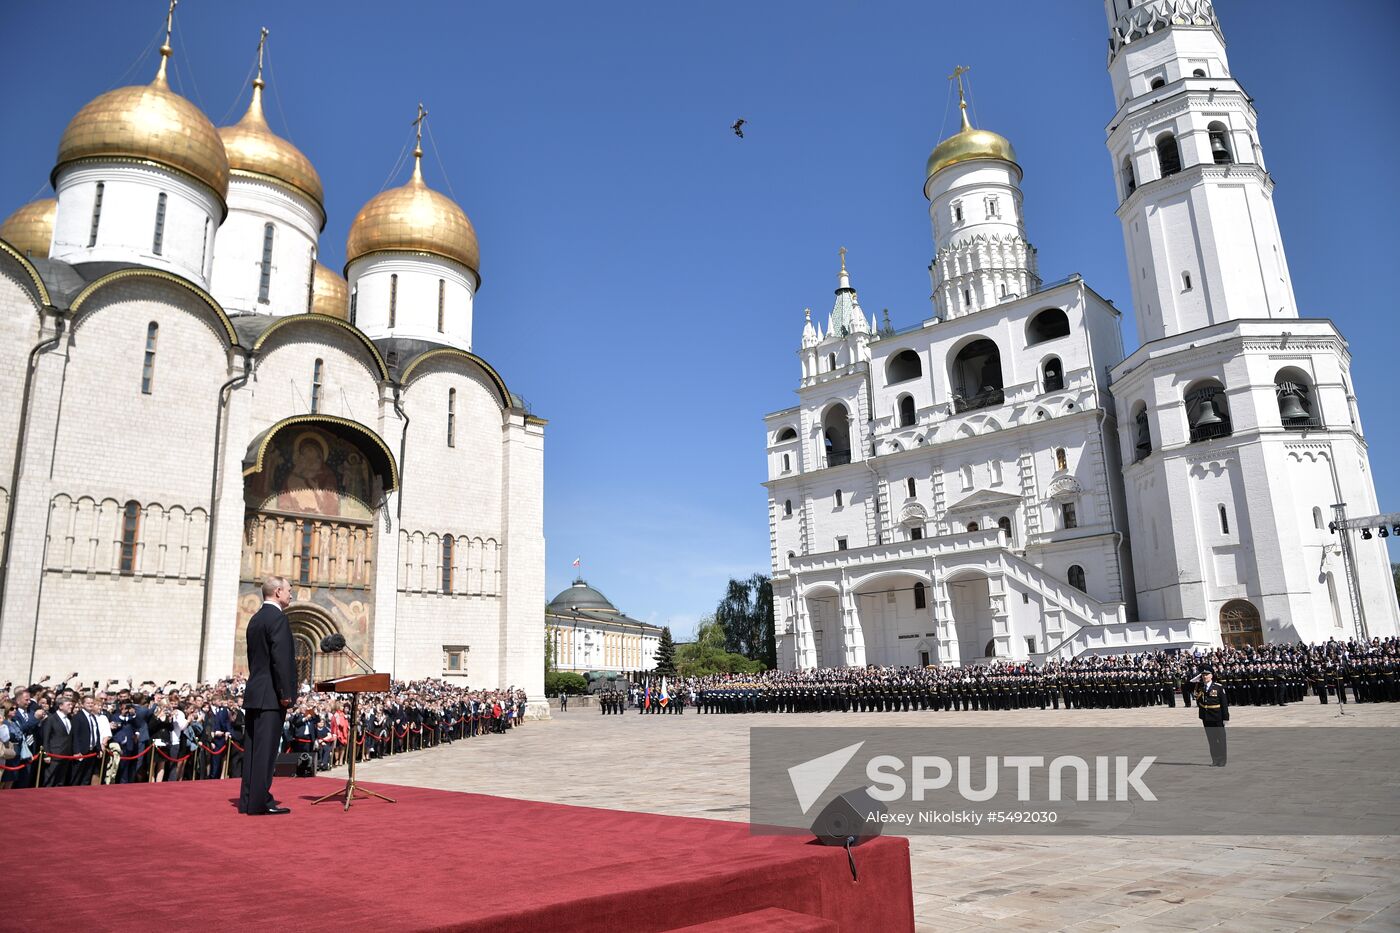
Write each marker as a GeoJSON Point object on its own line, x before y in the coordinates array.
{"type": "Point", "coordinates": [1224, 520]}
{"type": "Point", "coordinates": [1129, 179]}
{"type": "Point", "coordinates": [393, 299]}
{"type": "Point", "coordinates": [787, 463]}
{"type": "Point", "coordinates": [1142, 441]}
{"type": "Point", "coordinates": [837, 435]}
{"type": "Point", "coordinates": [354, 305]}
{"type": "Point", "coordinates": [1049, 324]}
{"type": "Point", "coordinates": [907, 416]}
{"type": "Point", "coordinates": [451, 417]}
{"type": "Point", "coordinates": [787, 434]}
{"type": "Point", "coordinates": [909, 484]}
{"type": "Point", "coordinates": [903, 366]}
{"type": "Point", "coordinates": [831, 362]}
{"type": "Point", "coordinates": [1220, 150]}
{"type": "Point", "coordinates": [787, 508]}
{"type": "Point", "coordinates": [972, 526]}
{"type": "Point", "coordinates": [975, 374]}
{"type": "Point", "coordinates": [265, 275]}
{"type": "Point", "coordinates": [1317, 517]}
{"type": "Point", "coordinates": [158, 240]}
{"type": "Point", "coordinates": [316, 386]}
{"type": "Point", "coordinates": [1069, 515]}
{"type": "Point", "coordinates": [442, 300]}
{"type": "Point", "coordinates": [1054, 375]}
{"type": "Point", "coordinates": [1198, 73]}
{"type": "Point", "coordinates": [839, 500]}
{"type": "Point", "coordinates": [1207, 410]}
{"type": "Point", "coordinates": [1158, 82]}
{"type": "Point", "coordinates": [915, 534]}
{"type": "Point", "coordinates": [920, 596]}
{"type": "Point", "coordinates": [447, 547]}
{"type": "Point", "coordinates": [957, 212]}
{"type": "Point", "coordinates": [96, 214]}
{"type": "Point", "coordinates": [131, 529]}
{"type": "Point", "coordinates": [1297, 409]}
{"type": "Point", "coordinates": [204, 256]}
{"type": "Point", "coordinates": [1061, 459]}
{"type": "Point", "coordinates": [148, 366]}
{"type": "Point", "coordinates": [791, 557]}
{"type": "Point", "coordinates": [310, 277]}
{"type": "Point", "coordinates": [1076, 578]}
{"type": "Point", "coordinates": [1168, 155]}
{"type": "Point", "coordinates": [1004, 523]}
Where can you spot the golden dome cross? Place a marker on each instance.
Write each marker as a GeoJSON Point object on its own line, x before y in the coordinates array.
{"type": "Point", "coordinates": [262, 43]}
{"type": "Point", "coordinates": [957, 74]}
{"type": "Point", "coordinates": [166, 49]}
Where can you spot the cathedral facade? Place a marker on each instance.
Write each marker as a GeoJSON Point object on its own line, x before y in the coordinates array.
{"type": "Point", "coordinates": [1000, 482]}
{"type": "Point", "coordinates": [192, 402]}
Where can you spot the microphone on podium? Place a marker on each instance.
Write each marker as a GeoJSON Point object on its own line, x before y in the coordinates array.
{"type": "Point", "coordinates": [336, 642]}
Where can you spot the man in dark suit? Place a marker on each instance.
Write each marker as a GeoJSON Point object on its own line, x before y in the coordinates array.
{"type": "Point", "coordinates": [270, 690]}
{"type": "Point", "coordinates": [1214, 710]}
{"type": "Point", "coordinates": [58, 740]}
{"type": "Point", "coordinates": [87, 738]}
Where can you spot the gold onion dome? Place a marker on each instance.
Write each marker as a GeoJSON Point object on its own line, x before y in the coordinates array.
{"type": "Point", "coordinates": [30, 229]}
{"type": "Point", "coordinates": [330, 294]}
{"type": "Point", "coordinates": [253, 149]}
{"type": "Point", "coordinates": [148, 123]}
{"type": "Point", "coordinates": [413, 218]}
{"type": "Point", "coordinates": [967, 144]}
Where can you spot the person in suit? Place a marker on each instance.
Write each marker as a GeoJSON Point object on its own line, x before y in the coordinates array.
{"type": "Point", "coordinates": [268, 693]}
{"type": "Point", "coordinates": [87, 739]}
{"type": "Point", "coordinates": [58, 740]}
{"type": "Point", "coordinates": [1214, 711]}
{"type": "Point", "coordinates": [216, 731]}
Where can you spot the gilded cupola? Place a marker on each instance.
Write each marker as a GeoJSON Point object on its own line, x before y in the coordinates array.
{"type": "Point", "coordinates": [255, 151]}
{"type": "Point", "coordinates": [30, 229]}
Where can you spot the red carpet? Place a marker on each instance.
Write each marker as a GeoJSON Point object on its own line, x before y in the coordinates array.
{"type": "Point", "coordinates": [179, 857]}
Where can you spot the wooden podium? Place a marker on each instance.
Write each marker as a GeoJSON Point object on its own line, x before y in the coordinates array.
{"type": "Point", "coordinates": [354, 685]}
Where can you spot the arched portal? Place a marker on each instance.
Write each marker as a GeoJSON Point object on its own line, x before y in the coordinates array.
{"type": "Point", "coordinates": [313, 487]}
{"type": "Point", "coordinates": [970, 599]}
{"type": "Point", "coordinates": [1239, 624]}
{"type": "Point", "coordinates": [824, 614]}
{"type": "Point", "coordinates": [895, 614]}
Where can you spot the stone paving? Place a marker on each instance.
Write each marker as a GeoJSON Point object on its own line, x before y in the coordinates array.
{"type": "Point", "coordinates": [696, 765]}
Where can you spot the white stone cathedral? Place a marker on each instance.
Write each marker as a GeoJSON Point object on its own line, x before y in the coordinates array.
{"type": "Point", "coordinates": [190, 402]}
{"type": "Point", "coordinates": [999, 482]}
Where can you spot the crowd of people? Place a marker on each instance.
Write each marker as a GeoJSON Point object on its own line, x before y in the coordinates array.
{"type": "Point", "coordinates": [114, 733]}
{"type": "Point", "coordinates": [1266, 675]}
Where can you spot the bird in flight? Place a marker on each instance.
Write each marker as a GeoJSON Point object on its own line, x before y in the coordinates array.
{"type": "Point", "coordinates": [738, 127]}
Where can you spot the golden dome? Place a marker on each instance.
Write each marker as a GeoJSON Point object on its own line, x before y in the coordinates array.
{"type": "Point", "coordinates": [330, 294]}
{"type": "Point", "coordinates": [967, 144]}
{"type": "Point", "coordinates": [30, 229]}
{"type": "Point", "coordinates": [253, 149]}
{"type": "Point", "coordinates": [413, 218]}
{"type": "Point", "coordinates": [151, 123]}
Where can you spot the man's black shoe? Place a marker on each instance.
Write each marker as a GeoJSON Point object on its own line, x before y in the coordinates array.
{"type": "Point", "coordinates": [273, 811]}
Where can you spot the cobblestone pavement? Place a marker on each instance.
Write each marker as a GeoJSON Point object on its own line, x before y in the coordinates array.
{"type": "Point", "coordinates": [696, 765]}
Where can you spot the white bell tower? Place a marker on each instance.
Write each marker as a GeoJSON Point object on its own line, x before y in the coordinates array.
{"type": "Point", "coordinates": [1237, 418]}
{"type": "Point", "coordinates": [1196, 201]}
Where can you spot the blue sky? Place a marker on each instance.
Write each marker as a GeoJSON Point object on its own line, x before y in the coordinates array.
{"type": "Point", "coordinates": [644, 271]}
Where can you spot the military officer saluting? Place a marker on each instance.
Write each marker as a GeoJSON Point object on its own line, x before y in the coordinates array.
{"type": "Point", "coordinates": [1214, 710]}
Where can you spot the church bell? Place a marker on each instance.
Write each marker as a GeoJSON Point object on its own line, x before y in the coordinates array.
{"type": "Point", "coordinates": [1206, 416]}
{"type": "Point", "coordinates": [1218, 151]}
{"type": "Point", "coordinates": [1290, 406]}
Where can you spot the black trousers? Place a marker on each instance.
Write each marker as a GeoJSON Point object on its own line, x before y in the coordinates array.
{"type": "Point", "coordinates": [1215, 735]}
{"type": "Point", "coordinates": [264, 734]}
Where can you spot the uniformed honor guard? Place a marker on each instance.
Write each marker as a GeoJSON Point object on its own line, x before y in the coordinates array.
{"type": "Point", "coordinates": [1214, 710]}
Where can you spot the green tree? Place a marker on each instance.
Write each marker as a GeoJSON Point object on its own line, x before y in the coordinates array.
{"type": "Point", "coordinates": [666, 655]}
{"type": "Point", "coordinates": [706, 655]}
{"type": "Point", "coordinates": [746, 614]}
{"type": "Point", "coordinates": [548, 649]}
{"type": "Point", "coordinates": [567, 681]}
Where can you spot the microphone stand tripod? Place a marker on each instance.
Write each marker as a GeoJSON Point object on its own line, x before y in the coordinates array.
{"type": "Point", "coordinates": [350, 790]}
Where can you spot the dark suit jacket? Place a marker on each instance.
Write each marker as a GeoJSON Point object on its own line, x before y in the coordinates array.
{"type": "Point", "coordinates": [85, 739]}
{"type": "Point", "coordinates": [1211, 705]}
{"type": "Point", "coordinates": [272, 675]}
{"type": "Point", "coordinates": [57, 739]}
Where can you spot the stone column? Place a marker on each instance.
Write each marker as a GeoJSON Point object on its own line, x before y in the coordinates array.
{"type": "Point", "coordinates": [852, 638]}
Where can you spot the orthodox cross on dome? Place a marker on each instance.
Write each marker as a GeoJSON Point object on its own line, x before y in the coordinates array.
{"type": "Point", "coordinates": [262, 43]}
{"type": "Point", "coordinates": [957, 74]}
{"type": "Point", "coordinates": [842, 251]}
{"type": "Point", "coordinates": [166, 49]}
{"type": "Point", "coordinates": [418, 143]}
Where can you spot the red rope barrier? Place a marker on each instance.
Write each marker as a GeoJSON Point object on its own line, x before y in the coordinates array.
{"type": "Point", "coordinates": [138, 756]}
{"type": "Point", "coordinates": [212, 751]}
{"type": "Point", "coordinates": [14, 767]}
{"type": "Point", "coordinates": [69, 757]}
{"type": "Point", "coordinates": [168, 758]}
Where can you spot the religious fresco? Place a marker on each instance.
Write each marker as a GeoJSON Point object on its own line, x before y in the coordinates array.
{"type": "Point", "coordinates": [308, 471]}
{"type": "Point", "coordinates": [315, 611]}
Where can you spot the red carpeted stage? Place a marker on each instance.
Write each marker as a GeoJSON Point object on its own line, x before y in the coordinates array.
{"type": "Point", "coordinates": [175, 857]}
